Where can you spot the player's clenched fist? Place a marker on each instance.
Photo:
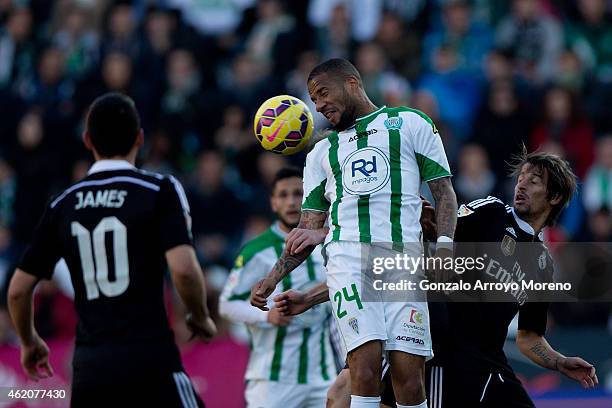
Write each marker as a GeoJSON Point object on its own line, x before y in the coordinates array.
{"type": "Point", "coordinates": [291, 303]}
{"type": "Point", "coordinates": [204, 328]}
{"type": "Point", "coordinates": [260, 293]}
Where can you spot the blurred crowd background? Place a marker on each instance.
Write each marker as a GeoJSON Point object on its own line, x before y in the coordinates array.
{"type": "Point", "coordinates": [493, 75]}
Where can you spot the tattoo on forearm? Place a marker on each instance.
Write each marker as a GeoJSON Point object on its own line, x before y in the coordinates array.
{"type": "Point", "coordinates": [312, 220]}
{"type": "Point", "coordinates": [446, 206]}
{"type": "Point", "coordinates": [543, 353]}
{"type": "Point", "coordinates": [287, 262]}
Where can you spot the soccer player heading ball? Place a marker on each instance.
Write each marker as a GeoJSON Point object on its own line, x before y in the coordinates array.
{"type": "Point", "coordinates": [470, 368]}
{"type": "Point", "coordinates": [365, 177]}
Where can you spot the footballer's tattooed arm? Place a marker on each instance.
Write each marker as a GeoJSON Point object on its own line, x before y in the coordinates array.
{"type": "Point", "coordinates": [309, 220]}
{"type": "Point", "coordinates": [541, 353]}
{"type": "Point", "coordinates": [312, 219]}
{"type": "Point", "coordinates": [538, 350]}
{"type": "Point", "coordinates": [294, 302]}
{"type": "Point", "coordinates": [446, 206]}
{"type": "Point", "coordinates": [310, 232]}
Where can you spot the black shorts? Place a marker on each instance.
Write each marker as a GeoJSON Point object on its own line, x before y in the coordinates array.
{"type": "Point", "coordinates": [123, 363]}
{"type": "Point", "coordinates": [449, 388]}
{"type": "Point", "coordinates": [173, 390]}
{"type": "Point", "coordinates": [493, 389]}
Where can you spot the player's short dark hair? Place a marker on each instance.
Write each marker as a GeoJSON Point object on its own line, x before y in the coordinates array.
{"type": "Point", "coordinates": [561, 178]}
{"type": "Point", "coordinates": [113, 124]}
{"type": "Point", "coordinates": [285, 173]}
{"type": "Point", "coordinates": [335, 67]}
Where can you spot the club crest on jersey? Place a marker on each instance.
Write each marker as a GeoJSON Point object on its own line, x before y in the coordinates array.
{"type": "Point", "coordinates": [464, 211]}
{"type": "Point", "coordinates": [508, 245]}
{"type": "Point", "coordinates": [354, 324]}
{"type": "Point", "coordinates": [542, 261]}
{"type": "Point", "coordinates": [393, 123]}
{"type": "Point", "coordinates": [365, 171]}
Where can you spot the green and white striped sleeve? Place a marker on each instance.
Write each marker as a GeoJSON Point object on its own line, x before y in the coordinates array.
{"type": "Point", "coordinates": [315, 180]}
{"type": "Point", "coordinates": [234, 300]}
{"type": "Point", "coordinates": [428, 148]}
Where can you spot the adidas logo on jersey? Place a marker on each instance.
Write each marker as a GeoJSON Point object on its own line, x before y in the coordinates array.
{"type": "Point", "coordinates": [362, 134]}
{"type": "Point", "coordinates": [485, 201]}
{"type": "Point", "coordinates": [511, 230]}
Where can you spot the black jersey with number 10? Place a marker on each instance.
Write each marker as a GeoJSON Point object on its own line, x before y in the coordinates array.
{"type": "Point", "coordinates": [113, 229]}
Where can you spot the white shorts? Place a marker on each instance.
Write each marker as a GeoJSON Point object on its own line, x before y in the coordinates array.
{"type": "Point", "coordinates": [402, 326]}
{"type": "Point", "coordinates": [273, 394]}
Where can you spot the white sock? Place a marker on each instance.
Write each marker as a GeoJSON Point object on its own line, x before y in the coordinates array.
{"type": "Point", "coordinates": [421, 405]}
{"type": "Point", "coordinates": [364, 402]}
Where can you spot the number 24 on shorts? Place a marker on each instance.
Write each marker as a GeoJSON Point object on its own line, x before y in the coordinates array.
{"type": "Point", "coordinates": [354, 296]}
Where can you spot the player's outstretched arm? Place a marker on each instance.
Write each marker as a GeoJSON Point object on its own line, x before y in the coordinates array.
{"type": "Point", "coordinates": [540, 352]}
{"type": "Point", "coordinates": [34, 351]}
{"type": "Point", "coordinates": [294, 302]}
{"type": "Point", "coordinates": [189, 282]}
{"type": "Point", "coordinates": [311, 220]}
{"type": "Point", "coordinates": [242, 311]}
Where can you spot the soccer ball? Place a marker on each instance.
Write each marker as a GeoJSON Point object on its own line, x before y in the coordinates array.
{"type": "Point", "coordinates": [283, 125]}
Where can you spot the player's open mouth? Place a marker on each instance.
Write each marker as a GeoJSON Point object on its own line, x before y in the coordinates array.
{"type": "Point", "coordinates": [520, 198]}
{"type": "Point", "coordinates": [329, 114]}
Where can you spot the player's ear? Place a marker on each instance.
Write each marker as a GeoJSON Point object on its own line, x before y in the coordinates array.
{"type": "Point", "coordinates": [556, 199]}
{"type": "Point", "coordinates": [352, 83]}
{"type": "Point", "coordinates": [273, 203]}
{"type": "Point", "coordinates": [87, 141]}
{"type": "Point", "coordinates": [140, 138]}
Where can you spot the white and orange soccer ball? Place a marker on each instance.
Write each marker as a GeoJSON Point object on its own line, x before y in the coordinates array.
{"type": "Point", "coordinates": [283, 125]}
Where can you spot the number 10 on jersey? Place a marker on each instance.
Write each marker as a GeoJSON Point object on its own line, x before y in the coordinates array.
{"type": "Point", "coordinates": [96, 277]}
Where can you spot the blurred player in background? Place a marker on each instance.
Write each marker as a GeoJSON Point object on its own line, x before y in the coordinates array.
{"type": "Point", "coordinates": [291, 362]}
{"type": "Point", "coordinates": [366, 177]}
{"type": "Point", "coordinates": [118, 230]}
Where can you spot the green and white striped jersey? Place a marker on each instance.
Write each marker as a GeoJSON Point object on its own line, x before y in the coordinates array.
{"type": "Point", "coordinates": [368, 176]}
{"type": "Point", "coordinates": [301, 352]}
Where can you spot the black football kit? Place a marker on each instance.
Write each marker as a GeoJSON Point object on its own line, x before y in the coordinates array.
{"type": "Point", "coordinates": [113, 229]}
{"type": "Point", "coordinates": [470, 367]}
